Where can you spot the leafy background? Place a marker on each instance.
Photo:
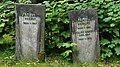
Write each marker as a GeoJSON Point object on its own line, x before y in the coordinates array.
{"type": "Point", "coordinates": [57, 33]}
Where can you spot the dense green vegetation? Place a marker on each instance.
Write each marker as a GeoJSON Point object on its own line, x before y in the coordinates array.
{"type": "Point", "coordinates": [57, 34]}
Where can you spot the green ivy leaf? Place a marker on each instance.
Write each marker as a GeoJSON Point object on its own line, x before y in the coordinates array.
{"type": "Point", "coordinates": [74, 44]}
{"type": "Point", "coordinates": [54, 27]}
{"type": "Point", "coordinates": [117, 49]}
{"type": "Point", "coordinates": [110, 13]}
{"type": "Point", "coordinates": [111, 45]}
{"type": "Point", "coordinates": [65, 21]}
{"type": "Point", "coordinates": [104, 42]}
{"type": "Point", "coordinates": [48, 14]}
{"type": "Point", "coordinates": [4, 20]}
{"type": "Point", "coordinates": [116, 41]}
{"type": "Point", "coordinates": [66, 53]}
{"type": "Point", "coordinates": [118, 13]}
{"type": "Point", "coordinates": [7, 38]}
{"type": "Point", "coordinates": [101, 16]}
{"type": "Point", "coordinates": [110, 10]}
{"type": "Point", "coordinates": [112, 25]}
{"type": "Point", "coordinates": [67, 45]}
{"type": "Point", "coordinates": [10, 6]}
{"type": "Point", "coordinates": [78, 7]}
{"type": "Point", "coordinates": [59, 19]}
{"type": "Point", "coordinates": [65, 34]}
{"type": "Point", "coordinates": [46, 3]}
{"type": "Point", "coordinates": [116, 31]}
{"type": "Point", "coordinates": [101, 12]}
{"type": "Point", "coordinates": [103, 56]}
{"type": "Point", "coordinates": [107, 19]}
{"type": "Point", "coordinates": [48, 19]}
{"type": "Point", "coordinates": [2, 25]}
{"type": "Point", "coordinates": [108, 52]}
{"type": "Point", "coordinates": [59, 45]}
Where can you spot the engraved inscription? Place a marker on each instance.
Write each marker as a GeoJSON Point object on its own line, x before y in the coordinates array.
{"type": "Point", "coordinates": [84, 28]}
{"type": "Point", "coordinates": [30, 18]}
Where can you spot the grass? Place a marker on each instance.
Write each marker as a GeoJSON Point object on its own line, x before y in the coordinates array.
{"type": "Point", "coordinates": [7, 59]}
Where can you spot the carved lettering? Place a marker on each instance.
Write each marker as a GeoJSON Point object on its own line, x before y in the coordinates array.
{"type": "Point", "coordinates": [29, 18]}
{"type": "Point", "coordinates": [84, 28]}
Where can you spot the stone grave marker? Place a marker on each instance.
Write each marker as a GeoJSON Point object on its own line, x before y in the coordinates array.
{"type": "Point", "coordinates": [29, 31]}
{"type": "Point", "coordinates": [85, 33]}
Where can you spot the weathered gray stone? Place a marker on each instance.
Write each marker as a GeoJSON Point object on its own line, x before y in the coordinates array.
{"type": "Point", "coordinates": [85, 33]}
{"type": "Point", "coordinates": [29, 31]}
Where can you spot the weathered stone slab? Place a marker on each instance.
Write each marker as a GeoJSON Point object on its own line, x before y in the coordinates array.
{"type": "Point", "coordinates": [29, 31]}
{"type": "Point", "coordinates": [85, 33]}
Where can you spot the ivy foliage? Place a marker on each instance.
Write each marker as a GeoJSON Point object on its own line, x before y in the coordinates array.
{"type": "Point", "coordinates": [57, 33]}
{"type": "Point", "coordinates": [57, 24]}
{"type": "Point", "coordinates": [7, 22]}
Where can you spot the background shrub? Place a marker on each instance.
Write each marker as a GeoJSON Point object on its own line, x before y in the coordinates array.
{"type": "Point", "coordinates": [57, 31]}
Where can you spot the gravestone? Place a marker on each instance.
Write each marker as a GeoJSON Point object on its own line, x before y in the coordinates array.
{"type": "Point", "coordinates": [29, 31]}
{"type": "Point", "coordinates": [85, 33]}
